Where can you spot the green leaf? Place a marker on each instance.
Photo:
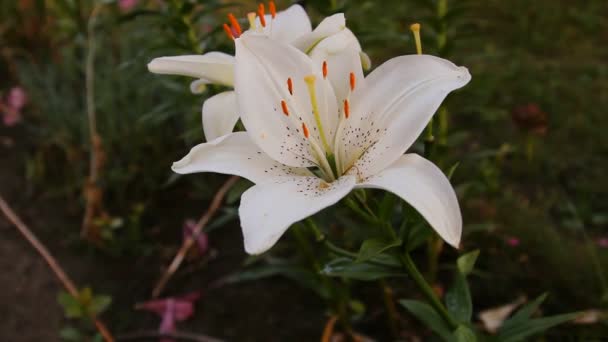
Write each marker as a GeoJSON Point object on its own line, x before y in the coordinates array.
{"type": "Point", "coordinates": [347, 268]}
{"type": "Point", "coordinates": [373, 247]}
{"type": "Point", "coordinates": [458, 299]}
{"type": "Point", "coordinates": [300, 275]}
{"type": "Point", "coordinates": [100, 303]}
{"type": "Point", "coordinates": [525, 312]}
{"type": "Point", "coordinates": [417, 236]}
{"type": "Point", "coordinates": [528, 328]}
{"type": "Point", "coordinates": [71, 306]}
{"type": "Point", "coordinates": [452, 169]}
{"type": "Point", "coordinates": [466, 263]}
{"type": "Point", "coordinates": [70, 334]}
{"type": "Point", "coordinates": [386, 206]}
{"type": "Point", "coordinates": [464, 334]}
{"type": "Point", "coordinates": [427, 315]}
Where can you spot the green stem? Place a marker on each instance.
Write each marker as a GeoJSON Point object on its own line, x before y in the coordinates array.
{"type": "Point", "coordinates": [426, 289]}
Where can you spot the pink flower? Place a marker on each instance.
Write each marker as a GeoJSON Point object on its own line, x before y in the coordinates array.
{"type": "Point", "coordinates": [11, 108]}
{"type": "Point", "coordinates": [513, 241]}
{"type": "Point", "coordinates": [127, 5]}
{"type": "Point", "coordinates": [171, 310]}
{"type": "Point", "coordinates": [603, 242]}
{"type": "Point", "coordinates": [17, 98]}
{"type": "Point", "coordinates": [202, 240]}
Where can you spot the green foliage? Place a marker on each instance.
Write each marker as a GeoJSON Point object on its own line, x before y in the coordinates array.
{"type": "Point", "coordinates": [521, 325]}
{"type": "Point", "coordinates": [370, 248]}
{"type": "Point", "coordinates": [347, 268]}
{"type": "Point", "coordinates": [427, 315]}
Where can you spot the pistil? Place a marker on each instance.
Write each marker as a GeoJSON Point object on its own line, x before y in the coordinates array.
{"type": "Point", "coordinates": [310, 82]}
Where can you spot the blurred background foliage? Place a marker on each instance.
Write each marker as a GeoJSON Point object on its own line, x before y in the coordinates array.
{"type": "Point", "coordinates": [528, 131]}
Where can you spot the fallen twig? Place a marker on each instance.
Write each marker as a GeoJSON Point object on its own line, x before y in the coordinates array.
{"type": "Point", "coordinates": [189, 242]}
{"type": "Point", "coordinates": [51, 261]}
{"type": "Point", "coordinates": [147, 335]}
{"type": "Point", "coordinates": [328, 331]}
{"type": "Point", "coordinates": [93, 193]}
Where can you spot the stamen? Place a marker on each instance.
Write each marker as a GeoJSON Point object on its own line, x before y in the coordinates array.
{"type": "Point", "coordinates": [353, 81]}
{"type": "Point", "coordinates": [284, 106]}
{"type": "Point", "coordinates": [251, 18]}
{"type": "Point", "coordinates": [324, 69]}
{"type": "Point", "coordinates": [272, 8]}
{"type": "Point", "coordinates": [290, 86]}
{"type": "Point", "coordinates": [228, 31]}
{"type": "Point", "coordinates": [305, 130]}
{"type": "Point", "coordinates": [310, 82]}
{"type": "Point", "coordinates": [235, 24]}
{"type": "Point", "coordinates": [415, 28]}
{"type": "Point", "coordinates": [261, 14]}
{"type": "Point", "coordinates": [346, 109]}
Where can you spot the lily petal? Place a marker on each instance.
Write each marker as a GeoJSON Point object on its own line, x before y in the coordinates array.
{"type": "Point", "coordinates": [288, 25]}
{"type": "Point", "coordinates": [262, 70]}
{"type": "Point", "coordinates": [220, 114]}
{"type": "Point", "coordinates": [329, 26]}
{"type": "Point", "coordinates": [424, 186]}
{"type": "Point", "coordinates": [214, 67]}
{"type": "Point", "coordinates": [396, 102]}
{"type": "Point", "coordinates": [267, 210]}
{"type": "Point", "coordinates": [234, 154]}
{"type": "Point", "coordinates": [341, 52]}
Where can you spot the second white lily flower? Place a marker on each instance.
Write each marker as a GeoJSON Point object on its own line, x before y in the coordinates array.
{"type": "Point", "coordinates": [330, 40]}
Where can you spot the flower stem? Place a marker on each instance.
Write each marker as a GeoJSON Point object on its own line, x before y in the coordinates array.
{"type": "Point", "coordinates": [426, 289]}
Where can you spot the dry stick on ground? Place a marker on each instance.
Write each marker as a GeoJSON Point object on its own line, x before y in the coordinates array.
{"type": "Point", "coordinates": [50, 260]}
{"type": "Point", "coordinates": [189, 242]}
{"type": "Point", "coordinates": [93, 194]}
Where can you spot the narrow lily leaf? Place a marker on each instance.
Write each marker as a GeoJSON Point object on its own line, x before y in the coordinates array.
{"type": "Point", "coordinates": [386, 206]}
{"type": "Point", "coordinates": [419, 233]}
{"type": "Point", "coordinates": [464, 334]}
{"type": "Point", "coordinates": [531, 327]}
{"type": "Point", "coordinates": [347, 268]}
{"type": "Point", "coordinates": [429, 317]}
{"type": "Point", "coordinates": [452, 170]}
{"type": "Point", "coordinates": [458, 299]}
{"type": "Point", "coordinates": [524, 313]}
{"type": "Point", "coordinates": [300, 275]}
{"type": "Point", "coordinates": [466, 263]}
{"type": "Point", "coordinates": [373, 247]}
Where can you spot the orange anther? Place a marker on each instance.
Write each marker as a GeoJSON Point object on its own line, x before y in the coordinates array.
{"type": "Point", "coordinates": [228, 31]}
{"type": "Point", "coordinates": [261, 15]}
{"type": "Point", "coordinates": [284, 106]}
{"type": "Point", "coordinates": [272, 8]}
{"type": "Point", "coordinates": [305, 130]}
{"type": "Point", "coordinates": [235, 24]}
{"type": "Point", "coordinates": [290, 85]}
{"type": "Point", "coordinates": [324, 69]}
{"type": "Point", "coordinates": [352, 81]}
{"type": "Point", "coordinates": [346, 109]}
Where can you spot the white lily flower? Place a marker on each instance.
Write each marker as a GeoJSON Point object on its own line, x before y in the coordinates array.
{"type": "Point", "coordinates": [306, 148]}
{"type": "Point", "coordinates": [330, 41]}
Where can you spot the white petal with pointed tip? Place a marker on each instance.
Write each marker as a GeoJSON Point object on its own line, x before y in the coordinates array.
{"type": "Point", "coordinates": [287, 25]}
{"type": "Point", "coordinates": [220, 114]}
{"type": "Point", "coordinates": [262, 69]}
{"type": "Point", "coordinates": [394, 105]}
{"type": "Point", "coordinates": [268, 209]}
{"type": "Point", "coordinates": [214, 67]}
{"type": "Point", "coordinates": [341, 52]}
{"type": "Point", "coordinates": [234, 154]}
{"type": "Point", "coordinates": [424, 186]}
{"type": "Point", "coordinates": [329, 26]}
